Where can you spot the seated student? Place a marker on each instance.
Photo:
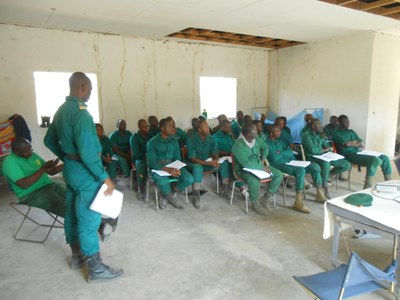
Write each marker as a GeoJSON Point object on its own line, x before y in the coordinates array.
{"type": "Point", "coordinates": [153, 123]}
{"type": "Point", "coordinates": [307, 120]}
{"type": "Point", "coordinates": [247, 120]}
{"type": "Point", "coordinates": [331, 127]}
{"type": "Point", "coordinates": [260, 131]}
{"type": "Point", "coordinates": [285, 136]}
{"type": "Point", "coordinates": [349, 143]}
{"type": "Point", "coordinates": [220, 118]}
{"type": "Point", "coordinates": [120, 145]}
{"type": "Point", "coordinates": [239, 117]}
{"type": "Point", "coordinates": [200, 148]}
{"type": "Point", "coordinates": [138, 143]}
{"type": "Point", "coordinates": [179, 134]}
{"type": "Point", "coordinates": [162, 150]}
{"type": "Point", "coordinates": [195, 126]}
{"type": "Point", "coordinates": [314, 143]}
{"type": "Point", "coordinates": [251, 152]}
{"type": "Point", "coordinates": [106, 153]}
{"type": "Point", "coordinates": [280, 154]}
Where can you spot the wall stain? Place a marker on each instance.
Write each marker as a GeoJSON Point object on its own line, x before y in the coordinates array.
{"type": "Point", "coordinates": [96, 42]}
{"type": "Point", "coordinates": [122, 77]}
{"type": "Point", "coordinates": [194, 79]}
{"type": "Point", "coordinates": [155, 76]}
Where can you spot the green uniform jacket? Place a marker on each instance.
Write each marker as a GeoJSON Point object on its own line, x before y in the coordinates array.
{"type": "Point", "coordinates": [161, 152]}
{"type": "Point", "coordinates": [313, 143]}
{"type": "Point", "coordinates": [329, 130]}
{"type": "Point", "coordinates": [286, 136]}
{"type": "Point", "coordinates": [105, 146]}
{"type": "Point", "coordinates": [73, 132]}
{"type": "Point", "coordinates": [153, 131]}
{"type": "Point", "coordinates": [341, 136]}
{"type": "Point", "coordinates": [224, 141]}
{"type": "Point", "coordinates": [121, 141]}
{"type": "Point", "coordinates": [279, 152]}
{"type": "Point", "coordinates": [246, 157]}
{"type": "Point", "coordinates": [138, 144]}
{"type": "Point", "coordinates": [180, 136]}
{"type": "Point", "coordinates": [236, 129]}
{"type": "Point", "coordinates": [202, 149]}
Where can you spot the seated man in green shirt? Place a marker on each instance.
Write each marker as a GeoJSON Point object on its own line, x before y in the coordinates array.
{"type": "Point", "coordinates": [307, 120]}
{"type": "Point", "coordinates": [286, 135]}
{"type": "Point", "coordinates": [138, 143]}
{"type": "Point", "coordinates": [314, 143]}
{"type": "Point", "coordinates": [348, 143]}
{"type": "Point", "coordinates": [179, 134]}
{"type": "Point", "coordinates": [331, 127]}
{"type": "Point", "coordinates": [260, 132]}
{"type": "Point", "coordinates": [120, 145]}
{"type": "Point", "coordinates": [153, 123]}
{"type": "Point", "coordinates": [251, 152]}
{"type": "Point", "coordinates": [162, 150]}
{"type": "Point", "coordinates": [106, 153]}
{"type": "Point", "coordinates": [280, 154]}
{"type": "Point", "coordinates": [195, 126]}
{"type": "Point", "coordinates": [201, 147]}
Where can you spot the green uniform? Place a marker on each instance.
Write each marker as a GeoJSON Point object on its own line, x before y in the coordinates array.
{"type": "Point", "coordinates": [263, 136]}
{"type": "Point", "coordinates": [191, 132]}
{"type": "Point", "coordinates": [161, 152]}
{"type": "Point", "coordinates": [203, 149]}
{"type": "Point", "coordinates": [286, 136]}
{"type": "Point", "coordinates": [106, 150]}
{"type": "Point", "coordinates": [304, 130]}
{"type": "Point", "coordinates": [180, 136]}
{"type": "Point", "coordinates": [329, 129]}
{"type": "Point", "coordinates": [236, 128]}
{"type": "Point", "coordinates": [313, 144]}
{"type": "Point", "coordinates": [246, 157]}
{"type": "Point", "coordinates": [44, 193]}
{"type": "Point", "coordinates": [153, 131]}
{"type": "Point", "coordinates": [72, 137]}
{"type": "Point", "coordinates": [138, 144]}
{"type": "Point", "coordinates": [280, 154]}
{"type": "Point", "coordinates": [121, 141]}
{"type": "Point", "coordinates": [341, 136]}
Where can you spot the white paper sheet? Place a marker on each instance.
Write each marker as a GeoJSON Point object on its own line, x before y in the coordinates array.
{"type": "Point", "coordinates": [221, 159]}
{"type": "Point", "coordinates": [161, 173]}
{"type": "Point", "coordinates": [176, 164]}
{"type": "Point", "coordinates": [109, 206]}
{"type": "Point", "coordinates": [298, 163]}
{"type": "Point", "coordinates": [370, 153]}
{"type": "Point", "coordinates": [329, 156]}
{"type": "Point", "coordinates": [259, 173]}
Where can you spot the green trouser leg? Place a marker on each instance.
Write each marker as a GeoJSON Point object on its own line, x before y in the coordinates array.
{"type": "Point", "coordinates": [315, 171]}
{"type": "Point", "coordinates": [340, 166]}
{"type": "Point", "coordinates": [224, 172]}
{"type": "Point", "coordinates": [325, 168]}
{"type": "Point", "coordinates": [141, 173]}
{"type": "Point", "coordinates": [184, 180]}
{"type": "Point", "coordinates": [276, 181]}
{"type": "Point", "coordinates": [238, 184]}
{"type": "Point", "coordinates": [297, 172]}
{"type": "Point", "coordinates": [82, 188]}
{"type": "Point", "coordinates": [124, 165]}
{"type": "Point", "coordinates": [163, 182]}
{"type": "Point", "coordinates": [197, 172]}
{"type": "Point", "coordinates": [50, 198]}
{"type": "Point", "coordinates": [112, 169]}
{"type": "Point", "coordinates": [371, 162]}
{"type": "Point", "coordinates": [386, 167]}
{"type": "Point", "coordinates": [254, 186]}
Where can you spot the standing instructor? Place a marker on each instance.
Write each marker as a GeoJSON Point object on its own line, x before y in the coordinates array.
{"type": "Point", "coordinates": [72, 137]}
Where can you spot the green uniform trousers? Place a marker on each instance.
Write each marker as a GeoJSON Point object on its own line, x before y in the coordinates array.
{"type": "Point", "coordinates": [50, 197]}
{"type": "Point", "coordinates": [371, 162]}
{"type": "Point", "coordinates": [253, 183]}
{"type": "Point", "coordinates": [141, 173]}
{"type": "Point", "coordinates": [299, 173]}
{"type": "Point", "coordinates": [197, 171]}
{"type": "Point", "coordinates": [82, 222]}
{"type": "Point", "coordinates": [339, 166]}
{"type": "Point", "coordinates": [111, 169]}
{"type": "Point", "coordinates": [163, 182]}
{"type": "Point", "coordinates": [124, 165]}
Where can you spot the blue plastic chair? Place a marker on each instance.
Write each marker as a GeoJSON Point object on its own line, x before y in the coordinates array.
{"type": "Point", "coordinates": [346, 281]}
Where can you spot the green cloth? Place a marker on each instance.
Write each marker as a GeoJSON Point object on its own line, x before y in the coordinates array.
{"type": "Point", "coordinates": [180, 136]}
{"type": "Point", "coordinates": [16, 168]}
{"type": "Point", "coordinates": [107, 151]}
{"type": "Point", "coordinates": [341, 136]}
{"type": "Point", "coordinates": [153, 131]}
{"type": "Point", "coordinates": [202, 149]}
{"type": "Point", "coordinates": [138, 143]}
{"type": "Point", "coordinates": [224, 141]}
{"type": "Point", "coordinates": [191, 132]}
{"type": "Point", "coordinates": [313, 143]}
{"type": "Point", "coordinates": [236, 128]}
{"type": "Point", "coordinates": [121, 141]}
{"type": "Point", "coordinates": [286, 136]}
{"type": "Point", "coordinates": [279, 152]}
{"type": "Point", "coordinates": [304, 131]}
{"type": "Point", "coordinates": [329, 130]}
{"type": "Point", "coordinates": [161, 152]}
{"type": "Point", "coordinates": [359, 199]}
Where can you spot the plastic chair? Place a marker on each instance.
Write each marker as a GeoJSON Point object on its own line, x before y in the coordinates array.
{"type": "Point", "coordinates": [54, 224]}
{"type": "Point", "coordinates": [356, 278]}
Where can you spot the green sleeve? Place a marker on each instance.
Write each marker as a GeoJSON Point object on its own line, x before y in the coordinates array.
{"type": "Point", "coordinates": [192, 148]}
{"type": "Point", "coordinates": [52, 141]}
{"type": "Point", "coordinates": [213, 146]}
{"type": "Point", "coordinates": [243, 156]}
{"type": "Point", "coordinates": [182, 135]}
{"type": "Point", "coordinates": [114, 139]}
{"type": "Point", "coordinates": [152, 155]}
{"type": "Point", "coordinates": [309, 146]}
{"type": "Point", "coordinates": [133, 142]}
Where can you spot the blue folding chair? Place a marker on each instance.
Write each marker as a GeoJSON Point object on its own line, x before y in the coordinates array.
{"type": "Point", "coordinates": [356, 278]}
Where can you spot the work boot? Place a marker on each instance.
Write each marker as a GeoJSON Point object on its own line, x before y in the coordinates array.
{"type": "Point", "coordinates": [77, 258]}
{"type": "Point", "coordinates": [307, 185]}
{"type": "Point", "coordinates": [321, 194]}
{"type": "Point", "coordinates": [387, 177]}
{"type": "Point", "coordinates": [266, 201]}
{"type": "Point", "coordinates": [162, 203]}
{"type": "Point", "coordinates": [105, 230]}
{"type": "Point", "coordinates": [298, 203]}
{"type": "Point", "coordinates": [141, 195]}
{"type": "Point", "coordinates": [368, 182]}
{"type": "Point", "coordinates": [197, 199]}
{"type": "Point", "coordinates": [259, 209]}
{"type": "Point", "coordinates": [99, 271]}
{"type": "Point", "coordinates": [174, 201]}
{"type": "Point", "coordinates": [326, 193]}
{"type": "Point", "coordinates": [225, 192]}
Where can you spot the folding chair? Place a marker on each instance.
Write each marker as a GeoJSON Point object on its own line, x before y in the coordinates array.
{"type": "Point", "coordinates": [54, 224]}
{"type": "Point", "coordinates": [356, 278]}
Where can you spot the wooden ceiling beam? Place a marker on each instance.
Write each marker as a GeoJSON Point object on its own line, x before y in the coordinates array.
{"type": "Point", "coordinates": [390, 11]}
{"type": "Point", "coordinates": [380, 3]}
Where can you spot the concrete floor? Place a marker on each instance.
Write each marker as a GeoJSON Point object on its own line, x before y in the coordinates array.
{"type": "Point", "coordinates": [216, 253]}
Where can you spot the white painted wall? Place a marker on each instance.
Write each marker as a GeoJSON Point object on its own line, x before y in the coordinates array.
{"type": "Point", "coordinates": [137, 77]}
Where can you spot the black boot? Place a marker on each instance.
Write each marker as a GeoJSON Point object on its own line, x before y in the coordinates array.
{"type": "Point", "coordinates": [77, 258]}
{"type": "Point", "coordinates": [99, 271]}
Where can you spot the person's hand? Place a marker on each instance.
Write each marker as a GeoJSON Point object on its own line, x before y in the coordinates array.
{"type": "Point", "coordinates": [107, 159]}
{"type": "Point", "coordinates": [214, 163]}
{"type": "Point", "coordinates": [326, 149]}
{"type": "Point", "coordinates": [50, 164]}
{"type": "Point", "coordinates": [267, 169]}
{"type": "Point", "coordinates": [172, 171]}
{"type": "Point", "coordinates": [110, 186]}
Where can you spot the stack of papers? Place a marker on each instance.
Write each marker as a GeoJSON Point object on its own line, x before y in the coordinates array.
{"type": "Point", "coordinates": [160, 172]}
{"type": "Point", "coordinates": [109, 206]}
{"type": "Point", "coordinates": [259, 173]}
{"type": "Point", "coordinates": [329, 156]}
{"type": "Point", "coordinates": [175, 164]}
{"type": "Point", "coordinates": [370, 153]}
{"type": "Point", "coordinates": [221, 159]}
{"type": "Point", "coordinates": [298, 163]}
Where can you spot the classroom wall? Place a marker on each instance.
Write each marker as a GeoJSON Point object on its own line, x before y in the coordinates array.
{"type": "Point", "coordinates": [137, 77]}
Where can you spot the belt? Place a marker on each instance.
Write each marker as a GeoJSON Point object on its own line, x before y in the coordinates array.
{"type": "Point", "coordinates": [74, 157]}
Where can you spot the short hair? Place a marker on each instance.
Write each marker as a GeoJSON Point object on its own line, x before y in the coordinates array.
{"type": "Point", "coordinates": [224, 123]}
{"type": "Point", "coordinates": [195, 122]}
{"type": "Point", "coordinates": [99, 125]}
{"type": "Point", "coordinates": [255, 122]}
{"type": "Point", "coordinates": [140, 121]}
{"type": "Point", "coordinates": [273, 127]}
{"type": "Point", "coordinates": [18, 143]}
{"type": "Point", "coordinates": [77, 79]}
{"type": "Point", "coordinates": [279, 119]}
{"type": "Point", "coordinates": [342, 118]}
{"type": "Point", "coordinates": [119, 121]}
{"type": "Point", "coordinates": [313, 120]}
{"type": "Point", "coordinates": [163, 122]}
{"type": "Point", "coordinates": [247, 128]}
{"type": "Point", "coordinates": [202, 118]}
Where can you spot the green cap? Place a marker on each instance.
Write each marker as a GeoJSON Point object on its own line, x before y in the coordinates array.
{"type": "Point", "coordinates": [359, 199]}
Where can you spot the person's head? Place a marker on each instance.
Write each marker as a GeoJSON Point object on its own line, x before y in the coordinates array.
{"type": "Point", "coordinates": [121, 125]}
{"type": "Point", "coordinates": [99, 130]}
{"type": "Point", "coordinates": [274, 132]}
{"type": "Point", "coordinates": [247, 119]}
{"type": "Point", "coordinates": [169, 118]}
{"type": "Point", "coordinates": [21, 147]}
{"type": "Point", "coordinates": [307, 118]}
{"type": "Point", "coordinates": [315, 125]}
{"type": "Point", "coordinates": [333, 120]}
{"type": "Point", "coordinates": [195, 123]}
{"type": "Point", "coordinates": [279, 122]}
{"type": "Point", "coordinates": [344, 121]}
{"type": "Point", "coordinates": [143, 126]}
{"type": "Point", "coordinates": [153, 121]}
{"type": "Point", "coordinates": [166, 127]}
{"type": "Point", "coordinates": [239, 115]}
{"type": "Point", "coordinates": [284, 120]}
{"type": "Point", "coordinates": [225, 126]}
{"type": "Point", "coordinates": [203, 130]}
{"type": "Point", "coordinates": [262, 118]}
{"type": "Point", "coordinates": [249, 132]}
{"type": "Point", "coordinates": [221, 118]}
{"type": "Point", "coordinates": [258, 125]}
{"type": "Point", "coordinates": [202, 118]}
{"type": "Point", "coordinates": [80, 86]}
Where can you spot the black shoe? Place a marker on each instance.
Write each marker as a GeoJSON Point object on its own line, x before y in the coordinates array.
{"type": "Point", "coordinates": [326, 193]}
{"type": "Point", "coordinates": [99, 271]}
{"type": "Point", "coordinates": [105, 230]}
{"type": "Point", "coordinates": [77, 259]}
{"type": "Point", "coordinates": [259, 209]}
